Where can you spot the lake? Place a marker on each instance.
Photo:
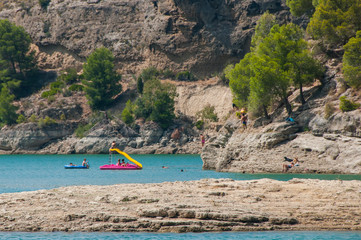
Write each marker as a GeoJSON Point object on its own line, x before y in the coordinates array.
{"type": "Point", "coordinates": [34, 172]}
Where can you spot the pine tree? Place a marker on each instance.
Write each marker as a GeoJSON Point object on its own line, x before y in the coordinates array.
{"type": "Point", "coordinates": [100, 79]}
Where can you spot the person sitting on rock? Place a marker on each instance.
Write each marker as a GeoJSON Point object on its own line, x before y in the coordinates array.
{"type": "Point", "coordinates": [286, 167]}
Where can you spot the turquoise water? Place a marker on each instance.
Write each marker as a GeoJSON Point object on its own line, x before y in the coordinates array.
{"type": "Point", "coordinates": [34, 172]}
{"type": "Point", "coordinates": [192, 236]}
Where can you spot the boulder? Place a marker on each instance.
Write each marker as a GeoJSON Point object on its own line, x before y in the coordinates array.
{"type": "Point", "coordinates": [151, 132]}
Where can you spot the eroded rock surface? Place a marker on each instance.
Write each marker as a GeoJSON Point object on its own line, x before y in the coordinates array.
{"type": "Point", "coordinates": [192, 35]}
{"type": "Point", "coordinates": [195, 206]}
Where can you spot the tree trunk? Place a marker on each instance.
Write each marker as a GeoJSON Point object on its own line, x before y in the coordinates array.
{"type": "Point", "coordinates": [301, 95]}
{"type": "Point", "coordinates": [13, 66]}
{"type": "Point", "coordinates": [288, 105]}
{"type": "Point", "coordinates": [265, 112]}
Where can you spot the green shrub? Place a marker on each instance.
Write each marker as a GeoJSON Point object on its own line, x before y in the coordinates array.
{"type": "Point", "coordinates": [62, 117]}
{"type": "Point", "coordinates": [21, 119]}
{"type": "Point", "coordinates": [199, 124]}
{"type": "Point", "coordinates": [352, 61]}
{"type": "Point", "coordinates": [76, 88]}
{"type": "Point", "coordinates": [167, 73]}
{"type": "Point", "coordinates": [185, 76]}
{"type": "Point", "coordinates": [69, 76]}
{"type": "Point", "coordinates": [45, 94]}
{"type": "Point", "coordinates": [208, 114]}
{"type": "Point", "coordinates": [329, 110]}
{"type": "Point", "coordinates": [347, 105]}
{"type": "Point", "coordinates": [149, 74]}
{"type": "Point", "coordinates": [127, 117]}
{"type": "Point", "coordinates": [51, 99]}
{"type": "Point", "coordinates": [44, 3]}
{"type": "Point", "coordinates": [56, 85]}
{"type": "Point", "coordinates": [128, 113]}
{"type": "Point", "coordinates": [82, 129]}
{"type": "Point", "coordinates": [47, 121]}
{"type": "Point", "coordinates": [33, 118]}
{"type": "Point", "coordinates": [157, 103]}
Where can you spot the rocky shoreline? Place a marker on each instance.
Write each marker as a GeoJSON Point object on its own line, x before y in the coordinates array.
{"type": "Point", "coordinates": [191, 206]}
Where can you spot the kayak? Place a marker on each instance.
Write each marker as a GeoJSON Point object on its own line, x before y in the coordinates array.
{"type": "Point", "coordinates": [76, 167]}
{"type": "Point", "coordinates": [128, 166]}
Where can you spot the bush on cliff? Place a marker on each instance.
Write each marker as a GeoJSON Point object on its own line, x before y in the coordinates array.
{"type": "Point", "coordinates": [347, 105]}
{"type": "Point", "coordinates": [300, 7]}
{"type": "Point", "coordinates": [352, 61]}
{"type": "Point", "coordinates": [185, 76]}
{"type": "Point", "coordinates": [101, 81]}
{"type": "Point", "coordinates": [45, 122]}
{"type": "Point", "coordinates": [207, 113]}
{"type": "Point", "coordinates": [55, 87]}
{"type": "Point", "coordinates": [335, 21]}
{"type": "Point", "coordinates": [7, 109]}
{"type": "Point", "coordinates": [69, 76]}
{"type": "Point", "coordinates": [128, 113]}
{"type": "Point", "coordinates": [278, 59]}
{"type": "Point", "coordinates": [17, 65]}
{"type": "Point", "coordinates": [157, 103]}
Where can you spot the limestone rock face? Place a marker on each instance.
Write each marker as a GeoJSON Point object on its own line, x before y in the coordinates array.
{"type": "Point", "coordinates": [179, 34]}
{"type": "Point", "coordinates": [151, 132]}
{"type": "Point", "coordinates": [348, 123]}
{"type": "Point", "coordinates": [329, 147]}
{"type": "Point", "coordinates": [30, 136]}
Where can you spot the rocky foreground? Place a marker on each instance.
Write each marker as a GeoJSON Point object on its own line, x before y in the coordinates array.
{"type": "Point", "coordinates": [194, 206]}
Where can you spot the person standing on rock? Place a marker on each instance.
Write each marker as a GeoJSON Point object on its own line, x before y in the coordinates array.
{"type": "Point", "coordinates": [244, 118]}
{"type": "Point", "coordinates": [203, 140]}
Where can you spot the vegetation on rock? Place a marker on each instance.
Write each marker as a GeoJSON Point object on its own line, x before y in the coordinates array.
{"type": "Point", "coordinates": [300, 7]}
{"type": "Point", "coordinates": [278, 59]}
{"type": "Point", "coordinates": [7, 109]}
{"type": "Point", "coordinates": [17, 65]}
{"type": "Point", "coordinates": [101, 81]}
{"type": "Point", "coordinates": [335, 21]}
{"type": "Point", "coordinates": [347, 105]}
{"type": "Point", "coordinates": [155, 104]}
{"type": "Point", "coordinates": [128, 113]}
{"type": "Point", "coordinates": [352, 61]}
{"type": "Point", "coordinates": [207, 114]}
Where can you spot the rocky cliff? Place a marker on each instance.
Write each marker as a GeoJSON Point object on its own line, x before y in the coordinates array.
{"type": "Point", "coordinates": [322, 144]}
{"type": "Point", "coordinates": [200, 36]}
